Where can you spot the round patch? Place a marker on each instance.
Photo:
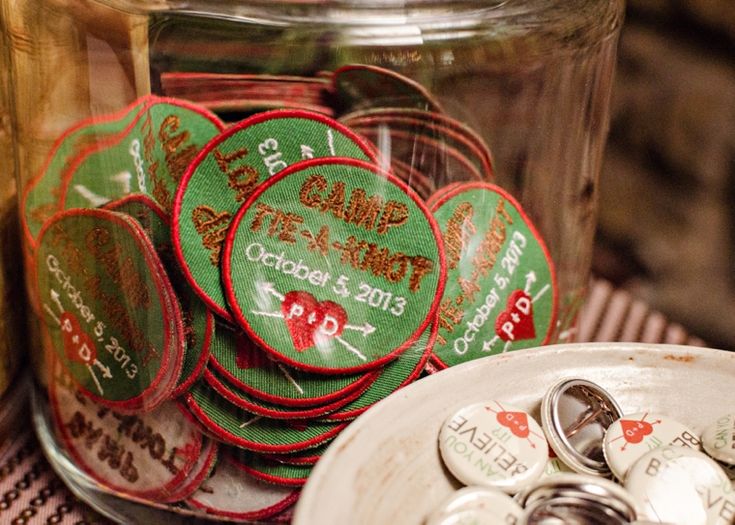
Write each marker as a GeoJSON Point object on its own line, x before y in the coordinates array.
{"type": "Point", "coordinates": [718, 439]}
{"type": "Point", "coordinates": [334, 266]}
{"type": "Point", "coordinates": [361, 86]}
{"type": "Point", "coordinates": [229, 170]}
{"type": "Point", "coordinates": [458, 133]}
{"type": "Point", "coordinates": [633, 435]}
{"type": "Point", "coordinates": [307, 457]}
{"type": "Point", "coordinates": [501, 292]}
{"type": "Point", "coordinates": [494, 445]}
{"type": "Point", "coordinates": [242, 364]}
{"type": "Point", "coordinates": [231, 493]}
{"type": "Point", "coordinates": [251, 432]}
{"type": "Point", "coordinates": [40, 199]}
{"type": "Point", "coordinates": [109, 310]}
{"type": "Point", "coordinates": [200, 471]}
{"type": "Point", "coordinates": [149, 157]}
{"type": "Point", "coordinates": [198, 320]}
{"type": "Point", "coordinates": [144, 455]}
{"type": "Point", "coordinates": [269, 470]}
{"type": "Point", "coordinates": [265, 409]}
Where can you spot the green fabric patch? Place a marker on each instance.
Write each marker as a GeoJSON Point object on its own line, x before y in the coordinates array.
{"type": "Point", "coordinates": [333, 267]}
{"type": "Point", "coordinates": [501, 292]}
{"type": "Point", "coordinates": [230, 170]}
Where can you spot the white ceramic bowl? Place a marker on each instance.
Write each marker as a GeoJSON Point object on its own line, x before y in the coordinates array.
{"type": "Point", "coordinates": [385, 467]}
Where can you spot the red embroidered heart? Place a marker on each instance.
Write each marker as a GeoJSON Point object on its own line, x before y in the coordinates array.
{"type": "Point", "coordinates": [248, 355]}
{"type": "Point", "coordinates": [309, 320]}
{"type": "Point", "coordinates": [635, 431]}
{"type": "Point", "coordinates": [516, 321]}
{"type": "Point", "coordinates": [517, 422]}
{"type": "Point", "coordinates": [78, 346]}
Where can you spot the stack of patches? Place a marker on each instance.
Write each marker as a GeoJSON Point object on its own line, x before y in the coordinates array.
{"type": "Point", "coordinates": [219, 301]}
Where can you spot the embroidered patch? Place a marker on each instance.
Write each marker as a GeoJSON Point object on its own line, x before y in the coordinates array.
{"type": "Point", "coordinates": [109, 309]}
{"type": "Point", "coordinates": [334, 266]}
{"type": "Point", "coordinates": [40, 199]}
{"type": "Point", "coordinates": [242, 364]}
{"type": "Point", "coordinates": [197, 319]}
{"type": "Point", "coordinates": [237, 427]}
{"type": "Point", "coordinates": [231, 493]}
{"type": "Point", "coordinates": [362, 86]}
{"type": "Point", "coordinates": [230, 169]}
{"type": "Point", "coordinates": [154, 455]}
{"type": "Point", "coordinates": [501, 292]}
{"type": "Point", "coordinates": [149, 157]}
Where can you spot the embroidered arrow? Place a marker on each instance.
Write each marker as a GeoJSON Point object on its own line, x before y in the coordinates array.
{"type": "Point", "coordinates": [530, 279]}
{"type": "Point", "coordinates": [366, 329]}
{"type": "Point", "coordinates": [96, 381]}
{"type": "Point", "coordinates": [55, 297]}
{"type": "Point", "coordinates": [351, 348]}
{"type": "Point", "coordinates": [270, 289]}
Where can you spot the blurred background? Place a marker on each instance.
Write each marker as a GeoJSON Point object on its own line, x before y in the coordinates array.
{"type": "Point", "coordinates": [667, 197]}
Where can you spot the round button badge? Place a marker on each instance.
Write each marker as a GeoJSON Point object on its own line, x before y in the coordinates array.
{"type": "Point", "coordinates": [718, 439]}
{"type": "Point", "coordinates": [681, 486]}
{"type": "Point", "coordinates": [493, 444]}
{"type": "Point", "coordinates": [630, 437]}
{"type": "Point", "coordinates": [334, 266]}
{"type": "Point", "coordinates": [575, 413]}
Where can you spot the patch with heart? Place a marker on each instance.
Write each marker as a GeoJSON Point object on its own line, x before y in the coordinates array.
{"type": "Point", "coordinates": [501, 291]}
{"type": "Point", "coordinates": [515, 323]}
{"type": "Point", "coordinates": [109, 308]}
{"type": "Point", "coordinates": [333, 266]}
{"type": "Point", "coordinates": [310, 321]}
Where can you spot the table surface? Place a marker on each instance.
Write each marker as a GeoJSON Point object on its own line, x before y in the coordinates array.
{"type": "Point", "coordinates": [32, 494]}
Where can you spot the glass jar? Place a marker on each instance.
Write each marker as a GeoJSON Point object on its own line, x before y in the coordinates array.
{"type": "Point", "coordinates": [246, 222]}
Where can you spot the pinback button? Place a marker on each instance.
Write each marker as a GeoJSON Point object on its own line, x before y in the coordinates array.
{"type": "Point", "coordinates": [682, 486]}
{"type": "Point", "coordinates": [631, 436]}
{"type": "Point", "coordinates": [718, 439]}
{"type": "Point", "coordinates": [493, 444]}
{"type": "Point", "coordinates": [488, 505]}
{"type": "Point", "coordinates": [576, 498]}
{"type": "Point", "coordinates": [575, 413]}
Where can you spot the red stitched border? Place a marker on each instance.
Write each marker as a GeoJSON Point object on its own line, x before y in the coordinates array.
{"type": "Point", "coordinates": [189, 173]}
{"type": "Point", "coordinates": [162, 494]}
{"type": "Point", "coordinates": [316, 411]}
{"type": "Point", "coordinates": [227, 263]}
{"type": "Point", "coordinates": [457, 190]}
{"type": "Point", "coordinates": [155, 267]}
{"type": "Point", "coordinates": [228, 437]}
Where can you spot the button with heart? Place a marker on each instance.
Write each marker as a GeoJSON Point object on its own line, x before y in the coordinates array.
{"type": "Point", "coordinates": [493, 444]}
{"type": "Point", "coordinates": [501, 291]}
{"type": "Point", "coordinates": [632, 436]}
{"type": "Point", "coordinates": [334, 266]}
